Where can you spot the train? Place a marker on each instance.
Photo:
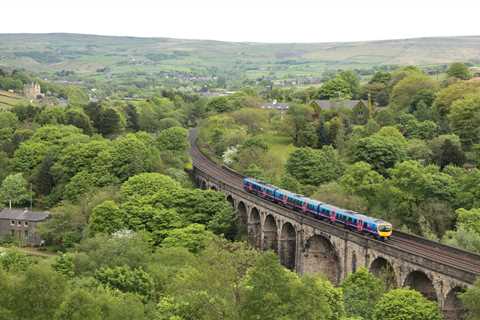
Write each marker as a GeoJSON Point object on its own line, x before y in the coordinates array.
{"type": "Point", "coordinates": [352, 220]}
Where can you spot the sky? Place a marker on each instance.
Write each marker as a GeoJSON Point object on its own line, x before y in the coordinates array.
{"type": "Point", "coordinates": [246, 20]}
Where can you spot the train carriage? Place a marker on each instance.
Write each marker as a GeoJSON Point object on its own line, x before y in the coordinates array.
{"type": "Point", "coordinates": [349, 219]}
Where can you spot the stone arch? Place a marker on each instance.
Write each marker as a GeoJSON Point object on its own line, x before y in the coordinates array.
{"type": "Point", "coordinates": [453, 308]}
{"type": "Point", "coordinates": [354, 262]}
{"type": "Point", "coordinates": [288, 245]}
{"type": "Point", "coordinates": [242, 213]}
{"type": "Point", "coordinates": [203, 185]}
{"type": "Point", "coordinates": [213, 187]}
{"type": "Point", "coordinates": [383, 269]}
{"type": "Point", "coordinates": [419, 281]}
{"type": "Point", "coordinates": [231, 200]}
{"type": "Point", "coordinates": [270, 241]}
{"type": "Point", "coordinates": [254, 228]}
{"type": "Point", "coordinates": [242, 218]}
{"type": "Point", "coordinates": [321, 257]}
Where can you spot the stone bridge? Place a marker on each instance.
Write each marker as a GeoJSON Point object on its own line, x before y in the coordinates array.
{"type": "Point", "coordinates": [307, 245]}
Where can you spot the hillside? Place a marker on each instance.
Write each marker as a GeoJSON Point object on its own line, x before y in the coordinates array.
{"type": "Point", "coordinates": [105, 57]}
{"type": "Point", "coordinates": [8, 100]}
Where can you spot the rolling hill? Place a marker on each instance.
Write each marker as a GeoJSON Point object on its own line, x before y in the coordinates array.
{"type": "Point", "coordinates": [107, 57]}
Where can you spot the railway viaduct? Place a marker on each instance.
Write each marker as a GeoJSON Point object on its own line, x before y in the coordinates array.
{"type": "Point", "coordinates": [308, 245]}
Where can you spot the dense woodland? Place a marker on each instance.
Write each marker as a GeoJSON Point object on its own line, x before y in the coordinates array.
{"type": "Point", "coordinates": [133, 238]}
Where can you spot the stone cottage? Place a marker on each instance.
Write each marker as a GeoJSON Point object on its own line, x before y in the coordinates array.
{"type": "Point", "coordinates": [21, 225]}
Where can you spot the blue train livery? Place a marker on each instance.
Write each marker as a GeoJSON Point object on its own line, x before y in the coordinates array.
{"type": "Point", "coordinates": [350, 219]}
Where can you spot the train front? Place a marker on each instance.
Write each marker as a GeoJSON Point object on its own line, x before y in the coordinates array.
{"type": "Point", "coordinates": [384, 230]}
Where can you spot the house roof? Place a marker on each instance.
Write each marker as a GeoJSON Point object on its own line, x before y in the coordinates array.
{"type": "Point", "coordinates": [275, 105]}
{"type": "Point", "coordinates": [336, 104]}
{"type": "Point", "coordinates": [23, 214]}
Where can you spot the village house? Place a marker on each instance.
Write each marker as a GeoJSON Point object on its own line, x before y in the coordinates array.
{"type": "Point", "coordinates": [339, 104]}
{"type": "Point", "coordinates": [275, 106]}
{"type": "Point", "coordinates": [21, 225]}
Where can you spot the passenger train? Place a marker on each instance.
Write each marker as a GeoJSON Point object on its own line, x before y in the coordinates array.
{"type": "Point", "coordinates": [350, 219]}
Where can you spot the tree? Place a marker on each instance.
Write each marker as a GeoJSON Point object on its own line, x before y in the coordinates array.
{"type": "Point", "coordinates": [469, 219]}
{"type": "Point", "coordinates": [447, 149]}
{"type": "Point", "coordinates": [447, 96]}
{"type": "Point", "coordinates": [167, 123]}
{"type": "Point", "coordinates": [130, 155]}
{"type": "Point", "coordinates": [78, 305]}
{"type": "Point", "coordinates": [351, 78]}
{"type": "Point", "coordinates": [401, 304]}
{"type": "Point", "coordinates": [100, 303]}
{"type": "Point", "coordinates": [38, 279]}
{"type": "Point", "coordinates": [208, 285]}
{"type": "Point", "coordinates": [109, 122]}
{"type": "Point", "coordinates": [381, 150]}
{"type": "Point", "coordinates": [106, 218]}
{"type": "Point", "coordinates": [173, 139]}
{"type": "Point", "coordinates": [272, 292]}
{"type": "Point", "coordinates": [146, 184]}
{"type": "Point", "coordinates": [78, 118]}
{"type": "Point", "coordinates": [15, 261]}
{"type": "Point", "coordinates": [132, 249]}
{"type": "Point", "coordinates": [14, 190]}
{"type": "Point", "coordinates": [64, 228]}
{"type": "Point", "coordinates": [314, 167]}
{"type": "Point", "coordinates": [464, 119]}
{"type": "Point", "coordinates": [299, 118]}
{"type": "Point", "coordinates": [133, 122]}
{"type": "Point", "coordinates": [193, 237]}
{"type": "Point", "coordinates": [459, 70]}
{"type": "Point", "coordinates": [126, 279]}
{"type": "Point", "coordinates": [361, 292]}
{"type": "Point", "coordinates": [362, 180]}
{"type": "Point", "coordinates": [403, 93]}
{"type": "Point", "coordinates": [470, 300]}
{"type": "Point", "coordinates": [336, 88]}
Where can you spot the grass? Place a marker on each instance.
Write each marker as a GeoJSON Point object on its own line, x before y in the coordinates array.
{"type": "Point", "coordinates": [8, 100]}
{"type": "Point", "coordinates": [280, 148]}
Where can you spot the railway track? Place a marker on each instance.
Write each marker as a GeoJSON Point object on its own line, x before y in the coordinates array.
{"type": "Point", "coordinates": [414, 245]}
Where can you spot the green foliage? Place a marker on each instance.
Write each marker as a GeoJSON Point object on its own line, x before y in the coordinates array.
{"type": "Point", "coordinates": [336, 88]}
{"type": "Point", "coordinates": [470, 300]}
{"type": "Point", "coordinates": [464, 119]}
{"type": "Point", "coordinates": [64, 264]}
{"type": "Point", "coordinates": [65, 226]}
{"type": "Point", "coordinates": [14, 261]}
{"type": "Point", "coordinates": [447, 96]}
{"type": "Point", "coordinates": [194, 237]}
{"type": "Point", "coordinates": [362, 180]}
{"type": "Point", "coordinates": [14, 190]}
{"type": "Point", "coordinates": [272, 292]}
{"type": "Point", "coordinates": [106, 218]}
{"type": "Point", "coordinates": [404, 92]}
{"type": "Point", "coordinates": [459, 70]}
{"type": "Point", "coordinates": [173, 139]}
{"type": "Point", "coordinates": [126, 279]}
{"type": "Point", "coordinates": [463, 238]}
{"type": "Point", "coordinates": [100, 303]}
{"type": "Point", "coordinates": [42, 290]}
{"type": "Point", "coordinates": [146, 184]}
{"type": "Point", "coordinates": [315, 167]}
{"type": "Point", "coordinates": [403, 304]}
{"type": "Point", "coordinates": [381, 150]}
{"type": "Point", "coordinates": [361, 292]}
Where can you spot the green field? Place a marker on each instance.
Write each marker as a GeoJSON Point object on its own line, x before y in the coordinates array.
{"type": "Point", "coordinates": [8, 100]}
{"type": "Point", "coordinates": [106, 58]}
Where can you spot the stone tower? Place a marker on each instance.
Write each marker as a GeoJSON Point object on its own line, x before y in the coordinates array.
{"type": "Point", "coordinates": [32, 91]}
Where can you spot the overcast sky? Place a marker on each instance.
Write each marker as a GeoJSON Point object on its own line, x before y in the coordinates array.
{"type": "Point", "coordinates": [247, 20]}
